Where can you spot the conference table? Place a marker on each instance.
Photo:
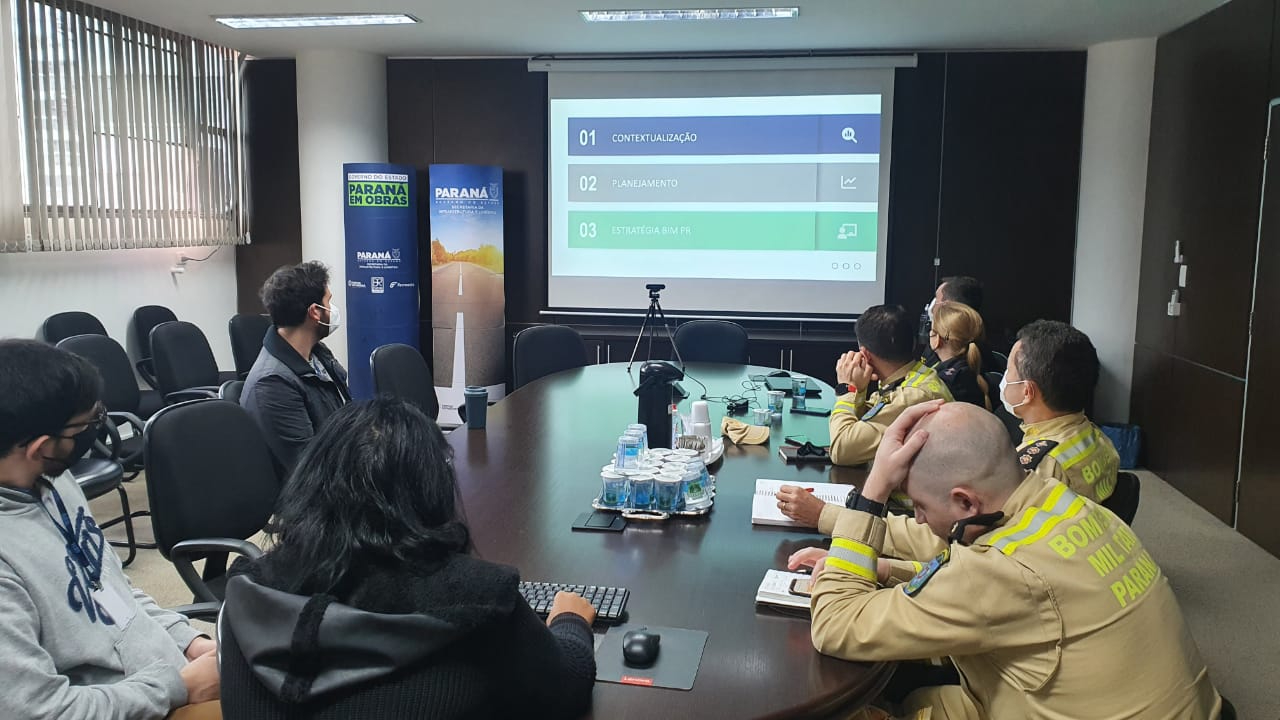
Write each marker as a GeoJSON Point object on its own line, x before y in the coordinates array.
{"type": "Point", "coordinates": [536, 467]}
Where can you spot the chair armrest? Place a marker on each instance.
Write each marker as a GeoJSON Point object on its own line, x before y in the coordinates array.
{"type": "Point", "coordinates": [203, 546]}
{"type": "Point", "coordinates": [195, 393]}
{"type": "Point", "coordinates": [146, 368]}
{"type": "Point", "coordinates": [184, 554]}
{"type": "Point", "coordinates": [110, 449]}
{"type": "Point", "coordinates": [206, 611]}
{"type": "Point", "coordinates": [138, 427]}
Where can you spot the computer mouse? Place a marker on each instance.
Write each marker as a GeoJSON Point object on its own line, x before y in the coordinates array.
{"type": "Point", "coordinates": [640, 648]}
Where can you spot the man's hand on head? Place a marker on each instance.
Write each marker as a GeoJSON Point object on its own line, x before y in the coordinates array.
{"type": "Point", "coordinates": [898, 448]}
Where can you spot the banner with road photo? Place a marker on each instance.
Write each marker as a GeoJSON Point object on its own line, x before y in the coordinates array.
{"type": "Point", "coordinates": [381, 223]}
{"type": "Point", "coordinates": [468, 295]}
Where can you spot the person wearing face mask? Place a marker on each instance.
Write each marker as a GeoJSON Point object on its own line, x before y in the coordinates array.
{"type": "Point", "coordinates": [885, 355]}
{"type": "Point", "coordinates": [1040, 597]}
{"type": "Point", "coordinates": [296, 383]}
{"type": "Point", "coordinates": [954, 337]}
{"type": "Point", "coordinates": [76, 640]}
{"type": "Point", "coordinates": [960, 289]}
{"type": "Point", "coordinates": [1053, 369]}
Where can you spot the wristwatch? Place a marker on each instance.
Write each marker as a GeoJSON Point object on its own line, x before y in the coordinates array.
{"type": "Point", "coordinates": [845, 388]}
{"type": "Point", "coordinates": [855, 501]}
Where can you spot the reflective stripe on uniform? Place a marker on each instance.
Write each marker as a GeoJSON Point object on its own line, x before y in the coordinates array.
{"type": "Point", "coordinates": [844, 406]}
{"type": "Point", "coordinates": [853, 557]}
{"type": "Point", "coordinates": [920, 374]}
{"type": "Point", "coordinates": [1036, 522]}
{"type": "Point", "coordinates": [1072, 451]}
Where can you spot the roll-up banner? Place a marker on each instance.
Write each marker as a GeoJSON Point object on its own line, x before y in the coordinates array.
{"type": "Point", "coordinates": [468, 294]}
{"type": "Point", "coordinates": [381, 224]}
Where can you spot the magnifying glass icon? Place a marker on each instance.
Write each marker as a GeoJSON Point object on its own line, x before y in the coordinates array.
{"type": "Point", "coordinates": [849, 135]}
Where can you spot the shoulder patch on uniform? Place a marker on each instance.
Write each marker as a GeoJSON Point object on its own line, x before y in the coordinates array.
{"type": "Point", "coordinates": [1029, 456]}
{"type": "Point", "coordinates": [914, 585]}
{"type": "Point", "coordinates": [875, 409]}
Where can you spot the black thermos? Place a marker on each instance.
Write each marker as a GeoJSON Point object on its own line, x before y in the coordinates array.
{"type": "Point", "coordinates": [655, 395]}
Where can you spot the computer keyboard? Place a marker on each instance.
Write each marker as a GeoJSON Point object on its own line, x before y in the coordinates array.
{"type": "Point", "coordinates": [610, 602]}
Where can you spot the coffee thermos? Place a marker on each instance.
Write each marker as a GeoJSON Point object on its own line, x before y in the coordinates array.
{"type": "Point", "coordinates": [655, 395]}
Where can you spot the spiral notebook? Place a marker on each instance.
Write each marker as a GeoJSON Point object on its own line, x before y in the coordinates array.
{"type": "Point", "coordinates": [764, 506]}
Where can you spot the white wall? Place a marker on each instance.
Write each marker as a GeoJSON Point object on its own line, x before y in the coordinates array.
{"type": "Point", "coordinates": [111, 283]}
{"type": "Point", "coordinates": [342, 118]}
{"type": "Point", "coordinates": [1113, 186]}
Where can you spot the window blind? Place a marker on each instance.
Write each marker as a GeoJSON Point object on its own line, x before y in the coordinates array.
{"type": "Point", "coordinates": [127, 135]}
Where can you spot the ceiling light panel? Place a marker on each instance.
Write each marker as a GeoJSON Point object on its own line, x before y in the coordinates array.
{"type": "Point", "coordinates": [770, 13]}
{"type": "Point", "coordinates": [262, 22]}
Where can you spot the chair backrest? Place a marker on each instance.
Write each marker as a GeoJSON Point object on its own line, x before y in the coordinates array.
{"type": "Point", "coordinates": [247, 332]}
{"type": "Point", "coordinates": [401, 371]}
{"type": "Point", "coordinates": [209, 473]}
{"type": "Point", "coordinates": [230, 390]}
{"type": "Point", "coordinates": [999, 362]}
{"type": "Point", "coordinates": [183, 357]}
{"type": "Point", "coordinates": [718, 341]}
{"type": "Point", "coordinates": [1123, 501]}
{"type": "Point", "coordinates": [145, 319]}
{"type": "Point", "coordinates": [119, 386]}
{"type": "Point", "coordinates": [546, 349]}
{"type": "Point", "coordinates": [63, 325]}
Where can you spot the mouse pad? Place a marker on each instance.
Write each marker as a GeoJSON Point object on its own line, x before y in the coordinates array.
{"type": "Point", "coordinates": [679, 655]}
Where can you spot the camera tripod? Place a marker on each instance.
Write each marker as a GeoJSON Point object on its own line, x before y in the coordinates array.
{"type": "Point", "coordinates": [650, 319]}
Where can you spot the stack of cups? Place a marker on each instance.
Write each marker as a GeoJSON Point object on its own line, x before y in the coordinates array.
{"type": "Point", "coordinates": [700, 419]}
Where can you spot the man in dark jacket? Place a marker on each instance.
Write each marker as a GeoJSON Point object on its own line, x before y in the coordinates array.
{"type": "Point", "coordinates": [296, 383]}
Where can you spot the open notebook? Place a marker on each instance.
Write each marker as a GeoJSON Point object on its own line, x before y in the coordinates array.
{"type": "Point", "coordinates": [775, 589]}
{"type": "Point", "coordinates": [764, 506]}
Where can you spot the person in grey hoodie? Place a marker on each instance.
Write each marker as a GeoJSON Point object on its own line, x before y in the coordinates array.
{"type": "Point", "coordinates": [76, 639]}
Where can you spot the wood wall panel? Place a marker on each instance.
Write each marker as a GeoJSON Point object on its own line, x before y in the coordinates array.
{"type": "Point", "coordinates": [1010, 181]}
{"type": "Point", "coordinates": [275, 212]}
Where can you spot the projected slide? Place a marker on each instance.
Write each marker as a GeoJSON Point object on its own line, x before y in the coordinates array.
{"type": "Point", "coordinates": [767, 188]}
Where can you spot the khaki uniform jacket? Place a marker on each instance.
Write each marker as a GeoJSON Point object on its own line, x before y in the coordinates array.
{"type": "Point", "coordinates": [858, 421]}
{"type": "Point", "coordinates": [1058, 612]}
{"type": "Point", "coordinates": [1084, 458]}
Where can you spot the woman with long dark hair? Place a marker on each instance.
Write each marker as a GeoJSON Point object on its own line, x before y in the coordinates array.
{"type": "Point", "coordinates": [368, 604]}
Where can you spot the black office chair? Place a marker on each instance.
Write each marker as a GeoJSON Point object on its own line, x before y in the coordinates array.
{"type": "Point", "coordinates": [247, 332]}
{"type": "Point", "coordinates": [1228, 710]}
{"type": "Point", "coordinates": [212, 485]}
{"type": "Point", "coordinates": [401, 371]}
{"type": "Point", "coordinates": [145, 319]}
{"type": "Point", "coordinates": [1011, 423]}
{"type": "Point", "coordinates": [184, 363]}
{"type": "Point", "coordinates": [231, 390]}
{"type": "Point", "coordinates": [63, 325]}
{"type": "Point", "coordinates": [120, 396]}
{"type": "Point", "coordinates": [999, 362]}
{"type": "Point", "coordinates": [717, 341]}
{"type": "Point", "coordinates": [546, 349]}
{"type": "Point", "coordinates": [1123, 501]}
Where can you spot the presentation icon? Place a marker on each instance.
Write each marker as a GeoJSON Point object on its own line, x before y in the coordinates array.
{"type": "Point", "coordinates": [847, 231]}
{"type": "Point", "coordinates": [848, 183]}
{"type": "Point", "coordinates": [849, 135]}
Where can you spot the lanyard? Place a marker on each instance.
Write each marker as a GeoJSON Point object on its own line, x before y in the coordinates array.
{"type": "Point", "coordinates": [91, 566]}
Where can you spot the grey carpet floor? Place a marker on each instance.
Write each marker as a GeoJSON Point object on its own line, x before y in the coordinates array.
{"type": "Point", "coordinates": [1229, 588]}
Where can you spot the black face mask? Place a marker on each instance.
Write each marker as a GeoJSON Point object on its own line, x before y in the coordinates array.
{"type": "Point", "coordinates": [985, 520]}
{"type": "Point", "coordinates": [82, 442]}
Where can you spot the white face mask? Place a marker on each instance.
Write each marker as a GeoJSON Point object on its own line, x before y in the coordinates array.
{"type": "Point", "coordinates": [928, 309]}
{"type": "Point", "coordinates": [1004, 383]}
{"type": "Point", "coordinates": [335, 317]}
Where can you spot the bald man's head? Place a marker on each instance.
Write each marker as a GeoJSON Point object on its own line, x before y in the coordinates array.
{"type": "Point", "coordinates": [966, 467]}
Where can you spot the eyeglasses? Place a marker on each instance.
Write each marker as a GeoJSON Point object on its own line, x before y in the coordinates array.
{"type": "Point", "coordinates": [94, 423]}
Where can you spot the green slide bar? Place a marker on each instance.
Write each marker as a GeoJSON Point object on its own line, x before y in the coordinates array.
{"type": "Point", "coordinates": [723, 230]}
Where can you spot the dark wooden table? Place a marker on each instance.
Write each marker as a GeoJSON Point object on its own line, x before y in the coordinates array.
{"type": "Point", "coordinates": [536, 467]}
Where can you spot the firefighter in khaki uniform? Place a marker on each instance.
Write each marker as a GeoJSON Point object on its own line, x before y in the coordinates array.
{"type": "Point", "coordinates": [886, 342]}
{"type": "Point", "coordinates": [1041, 598]}
{"type": "Point", "coordinates": [1053, 369]}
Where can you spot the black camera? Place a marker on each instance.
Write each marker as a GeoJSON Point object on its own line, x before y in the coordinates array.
{"type": "Point", "coordinates": [655, 287]}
